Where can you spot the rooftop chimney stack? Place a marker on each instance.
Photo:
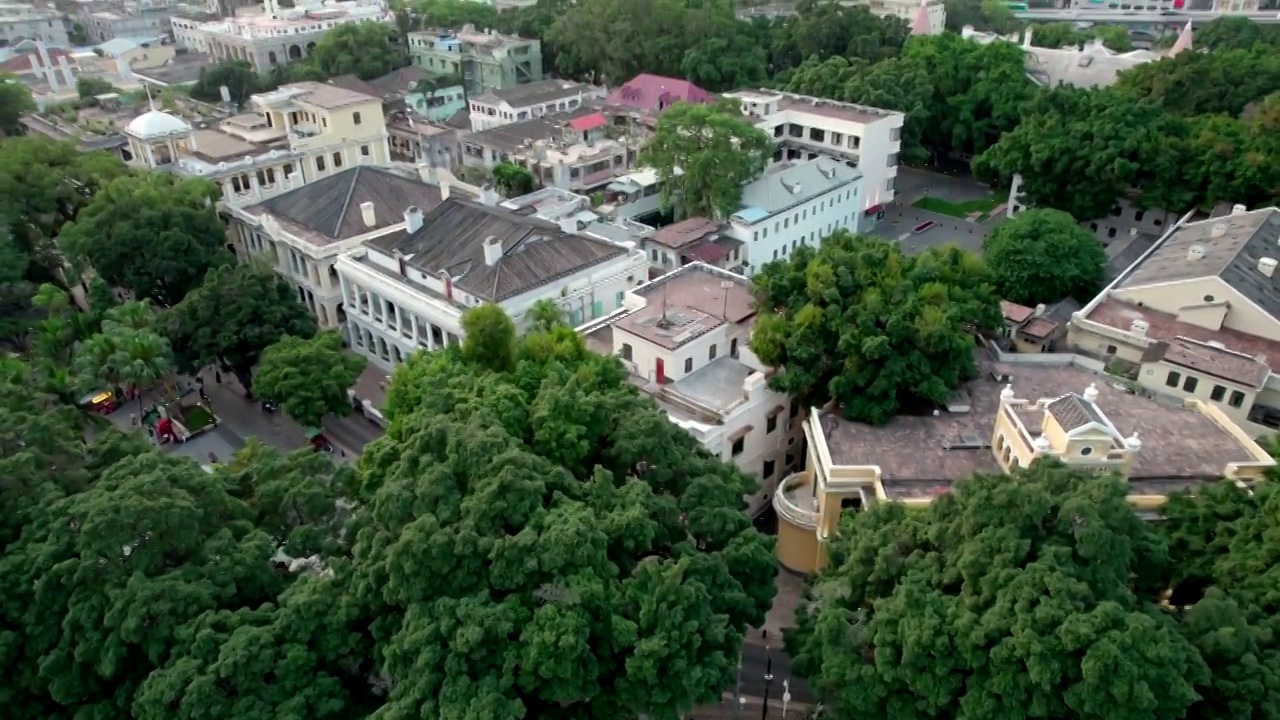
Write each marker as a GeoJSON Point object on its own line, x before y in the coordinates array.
{"type": "Point", "coordinates": [1238, 209]}
{"type": "Point", "coordinates": [1026, 38]}
{"type": "Point", "coordinates": [413, 219]}
{"type": "Point", "coordinates": [368, 214]}
{"type": "Point", "coordinates": [1219, 229]}
{"type": "Point", "coordinates": [1267, 266]}
{"type": "Point", "coordinates": [492, 250]}
{"type": "Point", "coordinates": [489, 196]}
{"type": "Point", "coordinates": [444, 190]}
{"type": "Point", "coordinates": [569, 225]}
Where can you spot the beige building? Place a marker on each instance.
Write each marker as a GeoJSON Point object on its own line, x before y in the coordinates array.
{"type": "Point", "coordinates": [301, 233]}
{"type": "Point", "coordinates": [136, 53]}
{"type": "Point", "coordinates": [1198, 317]}
{"type": "Point", "coordinates": [1014, 413]}
{"type": "Point", "coordinates": [297, 134]}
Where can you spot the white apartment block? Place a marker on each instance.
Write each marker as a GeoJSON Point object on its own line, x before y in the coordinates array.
{"type": "Point", "coordinates": [796, 204]}
{"type": "Point", "coordinates": [277, 35]}
{"type": "Point", "coordinates": [525, 102]}
{"type": "Point", "coordinates": [634, 195]}
{"type": "Point", "coordinates": [303, 232]}
{"type": "Point", "coordinates": [407, 291]}
{"type": "Point", "coordinates": [684, 338]}
{"type": "Point", "coordinates": [21, 21]}
{"type": "Point", "coordinates": [298, 133]}
{"type": "Point", "coordinates": [806, 127]}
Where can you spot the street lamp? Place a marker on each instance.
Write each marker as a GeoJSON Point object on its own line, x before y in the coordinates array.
{"type": "Point", "coordinates": [768, 680]}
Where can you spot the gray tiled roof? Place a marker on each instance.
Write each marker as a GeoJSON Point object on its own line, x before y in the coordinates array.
{"type": "Point", "coordinates": [1074, 412]}
{"type": "Point", "coordinates": [778, 190]}
{"type": "Point", "coordinates": [1228, 247]}
{"type": "Point", "coordinates": [534, 93]}
{"type": "Point", "coordinates": [534, 252]}
{"type": "Point", "coordinates": [331, 206]}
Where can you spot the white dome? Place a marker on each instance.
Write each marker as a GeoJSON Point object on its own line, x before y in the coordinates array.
{"type": "Point", "coordinates": [156, 124]}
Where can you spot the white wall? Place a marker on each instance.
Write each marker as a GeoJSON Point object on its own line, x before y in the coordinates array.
{"type": "Point", "coordinates": [806, 224]}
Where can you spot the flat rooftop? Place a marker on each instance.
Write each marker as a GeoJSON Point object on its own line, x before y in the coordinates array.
{"type": "Point", "coordinates": [717, 385]}
{"type": "Point", "coordinates": [687, 303]}
{"type": "Point", "coordinates": [1180, 446]}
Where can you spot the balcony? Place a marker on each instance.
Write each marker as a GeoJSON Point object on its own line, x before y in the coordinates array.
{"type": "Point", "coordinates": [795, 503]}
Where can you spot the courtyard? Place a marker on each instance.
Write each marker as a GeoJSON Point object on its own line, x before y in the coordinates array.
{"type": "Point", "coordinates": [934, 209]}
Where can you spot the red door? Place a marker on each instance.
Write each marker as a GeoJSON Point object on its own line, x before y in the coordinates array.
{"type": "Point", "coordinates": [660, 370]}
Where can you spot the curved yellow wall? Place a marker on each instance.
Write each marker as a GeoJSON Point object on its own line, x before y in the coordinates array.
{"type": "Point", "coordinates": [797, 548]}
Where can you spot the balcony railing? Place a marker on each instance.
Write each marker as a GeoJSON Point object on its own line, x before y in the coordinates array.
{"type": "Point", "coordinates": [793, 499]}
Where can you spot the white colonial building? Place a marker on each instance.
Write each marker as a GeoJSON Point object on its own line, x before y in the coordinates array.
{"type": "Point", "coordinates": [684, 337]}
{"type": "Point", "coordinates": [407, 290]}
{"type": "Point", "coordinates": [302, 233]}
{"type": "Point", "coordinates": [806, 127]}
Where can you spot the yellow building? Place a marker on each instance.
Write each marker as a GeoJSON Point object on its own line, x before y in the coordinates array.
{"type": "Point", "coordinates": [1199, 317]}
{"type": "Point", "coordinates": [1011, 415]}
{"type": "Point", "coordinates": [295, 135]}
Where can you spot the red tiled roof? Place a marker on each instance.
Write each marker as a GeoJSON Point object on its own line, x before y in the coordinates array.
{"type": "Point", "coordinates": [30, 60]}
{"type": "Point", "coordinates": [1040, 328]}
{"type": "Point", "coordinates": [651, 93]}
{"type": "Point", "coordinates": [588, 122]}
{"type": "Point", "coordinates": [707, 253]}
{"type": "Point", "coordinates": [1015, 313]}
{"type": "Point", "coordinates": [685, 232]}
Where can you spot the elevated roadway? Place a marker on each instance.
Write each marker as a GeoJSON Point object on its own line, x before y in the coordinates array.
{"type": "Point", "coordinates": [1143, 17]}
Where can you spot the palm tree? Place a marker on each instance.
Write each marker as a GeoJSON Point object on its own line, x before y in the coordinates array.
{"type": "Point", "coordinates": [142, 359]}
{"type": "Point", "coordinates": [134, 315]}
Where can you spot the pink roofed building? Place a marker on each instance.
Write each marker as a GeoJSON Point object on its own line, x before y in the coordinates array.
{"type": "Point", "coordinates": [649, 95]}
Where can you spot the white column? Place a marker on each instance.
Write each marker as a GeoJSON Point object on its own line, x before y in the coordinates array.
{"type": "Point", "coordinates": [399, 320]}
{"type": "Point", "coordinates": [346, 289]}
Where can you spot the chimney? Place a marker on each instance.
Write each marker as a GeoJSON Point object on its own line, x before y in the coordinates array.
{"type": "Point", "coordinates": [1195, 252]}
{"type": "Point", "coordinates": [1239, 209]}
{"type": "Point", "coordinates": [1219, 229]}
{"type": "Point", "coordinates": [444, 190]}
{"type": "Point", "coordinates": [489, 196]}
{"type": "Point", "coordinates": [367, 212]}
{"type": "Point", "coordinates": [1041, 309]}
{"type": "Point", "coordinates": [1267, 266]}
{"type": "Point", "coordinates": [492, 250]}
{"type": "Point", "coordinates": [413, 219]}
{"type": "Point", "coordinates": [1026, 38]}
{"type": "Point", "coordinates": [569, 225]}
{"type": "Point", "coordinates": [1139, 328]}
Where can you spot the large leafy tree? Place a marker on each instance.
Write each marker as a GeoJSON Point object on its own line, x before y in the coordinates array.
{"type": "Point", "coordinates": [545, 543]}
{"type": "Point", "coordinates": [309, 378]}
{"type": "Point", "coordinates": [1079, 150]}
{"type": "Point", "coordinates": [859, 322]}
{"type": "Point", "coordinates": [237, 76]}
{"type": "Point", "coordinates": [155, 234]}
{"type": "Point", "coordinates": [1031, 596]}
{"type": "Point", "coordinates": [704, 154]}
{"type": "Point", "coordinates": [1194, 83]}
{"type": "Point", "coordinates": [237, 313]}
{"type": "Point", "coordinates": [15, 101]}
{"type": "Point", "coordinates": [102, 582]}
{"type": "Point", "coordinates": [1043, 256]}
{"type": "Point", "coordinates": [363, 49]}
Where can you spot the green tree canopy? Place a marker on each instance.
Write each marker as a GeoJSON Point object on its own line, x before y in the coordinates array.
{"type": "Point", "coordinates": [1043, 256]}
{"type": "Point", "coordinates": [309, 378]}
{"type": "Point", "coordinates": [155, 234]}
{"type": "Point", "coordinates": [1236, 33]}
{"type": "Point", "coordinates": [237, 313]}
{"type": "Point", "coordinates": [15, 101]}
{"type": "Point", "coordinates": [546, 543]}
{"type": "Point", "coordinates": [1035, 595]}
{"type": "Point", "coordinates": [859, 322]}
{"type": "Point", "coordinates": [1197, 83]}
{"type": "Point", "coordinates": [489, 338]}
{"type": "Point", "coordinates": [364, 49]}
{"type": "Point", "coordinates": [704, 154]}
{"type": "Point", "coordinates": [238, 76]}
{"type": "Point", "coordinates": [512, 179]}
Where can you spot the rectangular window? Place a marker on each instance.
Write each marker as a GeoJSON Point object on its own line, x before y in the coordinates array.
{"type": "Point", "coordinates": [767, 472]}
{"type": "Point", "coordinates": [1190, 383]}
{"type": "Point", "coordinates": [364, 150]}
{"type": "Point", "coordinates": [1218, 393]}
{"type": "Point", "coordinates": [1173, 379]}
{"type": "Point", "coordinates": [337, 160]}
{"type": "Point", "coordinates": [771, 424]}
{"type": "Point", "coordinates": [738, 446]}
{"type": "Point", "coordinates": [1237, 399]}
{"type": "Point", "coordinates": [626, 351]}
{"type": "Point", "coordinates": [618, 297]}
{"type": "Point", "coordinates": [320, 163]}
{"type": "Point", "coordinates": [688, 365]}
{"type": "Point", "coordinates": [355, 118]}
{"type": "Point", "coordinates": [711, 354]}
